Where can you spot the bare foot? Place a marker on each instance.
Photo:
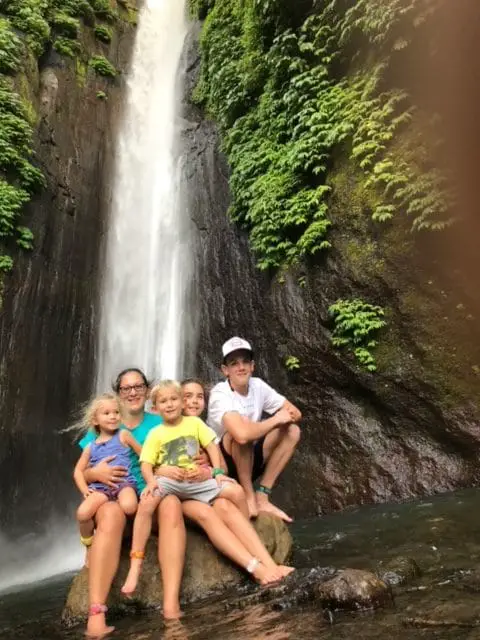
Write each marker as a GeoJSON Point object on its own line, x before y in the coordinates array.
{"type": "Point", "coordinates": [263, 504]}
{"type": "Point", "coordinates": [284, 570]}
{"type": "Point", "coordinates": [252, 507]}
{"type": "Point", "coordinates": [266, 575]}
{"type": "Point", "coordinates": [279, 570]}
{"type": "Point", "coordinates": [133, 575]}
{"type": "Point", "coordinates": [96, 627]}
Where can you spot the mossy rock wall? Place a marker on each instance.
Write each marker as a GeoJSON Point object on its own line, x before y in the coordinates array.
{"type": "Point", "coordinates": [330, 124]}
{"type": "Point", "coordinates": [49, 313]}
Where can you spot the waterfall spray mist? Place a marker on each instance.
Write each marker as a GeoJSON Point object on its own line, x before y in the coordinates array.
{"type": "Point", "coordinates": [147, 257]}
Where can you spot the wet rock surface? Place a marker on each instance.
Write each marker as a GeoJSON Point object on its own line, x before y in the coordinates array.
{"type": "Point", "coordinates": [398, 571]}
{"type": "Point", "coordinates": [354, 589]}
{"type": "Point", "coordinates": [299, 588]}
{"type": "Point", "coordinates": [325, 588]}
{"type": "Point", "coordinates": [450, 614]}
{"type": "Point", "coordinates": [206, 571]}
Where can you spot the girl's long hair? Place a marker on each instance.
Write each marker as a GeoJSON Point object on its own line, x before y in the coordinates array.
{"type": "Point", "coordinates": [86, 420]}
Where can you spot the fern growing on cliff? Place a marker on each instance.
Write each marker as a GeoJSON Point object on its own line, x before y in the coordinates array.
{"type": "Point", "coordinates": [102, 66]}
{"type": "Point", "coordinates": [27, 29]}
{"type": "Point", "coordinates": [103, 33]}
{"type": "Point", "coordinates": [286, 112]}
{"type": "Point", "coordinates": [356, 325]}
{"type": "Point", "coordinates": [29, 16]}
{"type": "Point", "coordinates": [65, 25]}
{"type": "Point", "coordinates": [10, 49]}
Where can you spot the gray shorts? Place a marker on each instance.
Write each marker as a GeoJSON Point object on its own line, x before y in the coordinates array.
{"type": "Point", "coordinates": [205, 491]}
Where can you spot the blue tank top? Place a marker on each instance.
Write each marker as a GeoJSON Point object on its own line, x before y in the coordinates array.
{"type": "Point", "coordinates": [112, 447]}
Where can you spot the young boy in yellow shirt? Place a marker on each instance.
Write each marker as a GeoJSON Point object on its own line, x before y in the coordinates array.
{"type": "Point", "coordinates": [170, 449]}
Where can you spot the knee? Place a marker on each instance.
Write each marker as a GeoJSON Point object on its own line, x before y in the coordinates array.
{"type": "Point", "coordinates": [146, 506]}
{"type": "Point", "coordinates": [236, 493]}
{"type": "Point", "coordinates": [170, 510]}
{"type": "Point", "coordinates": [130, 509]}
{"type": "Point", "coordinates": [224, 507]}
{"type": "Point", "coordinates": [205, 515]}
{"type": "Point", "coordinates": [83, 514]}
{"type": "Point", "coordinates": [293, 434]}
{"type": "Point", "coordinates": [241, 446]}
{"type": "Point", "coordinates": [110, 519]}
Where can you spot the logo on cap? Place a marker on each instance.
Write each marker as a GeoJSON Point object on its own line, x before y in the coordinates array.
{"type": "Point", "coordinates": [235, 344]}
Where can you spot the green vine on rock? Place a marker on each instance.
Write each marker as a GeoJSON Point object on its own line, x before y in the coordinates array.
{"type": "Point", "coordinates": [30, 17]}
{"type": "Point", "coordinates": [292, 363]}
{"type": "Point", "coordinates": [27, 29]}
{"type": "Point", "coordinates": [356, 324]}
{"type": "Point", "coordinates": [289, 101]}
{"type": "Point", "coordinates": [103, 33]}
{"type": "Point", "coordinates": [102, 66]}
{"type": "Point", "coordinates": [11, 49]}
{"type": "Point", "coordinates": [65, 25]}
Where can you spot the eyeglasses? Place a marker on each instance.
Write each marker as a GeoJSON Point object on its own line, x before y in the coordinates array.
{"type": "Point", "coordinates": [138, 388]}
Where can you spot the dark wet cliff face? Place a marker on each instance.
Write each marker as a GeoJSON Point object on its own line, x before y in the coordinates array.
{"type": "Point", "coordinates": [409, 429]}
{"type": "Point", "coordinates": [49, 312]}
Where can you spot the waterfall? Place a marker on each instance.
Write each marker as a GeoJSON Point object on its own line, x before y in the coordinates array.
{"type": "Point", "coordinates": [146, 271]}
{"type": "Point", "coordinates": [146, 274]}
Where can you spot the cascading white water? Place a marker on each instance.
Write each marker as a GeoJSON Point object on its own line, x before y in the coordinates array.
{"type": "Point", "coordinates": [146, 271]}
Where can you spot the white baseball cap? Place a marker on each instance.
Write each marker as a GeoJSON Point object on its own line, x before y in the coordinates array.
{"type": "Point", "coordinates": [235, 344]}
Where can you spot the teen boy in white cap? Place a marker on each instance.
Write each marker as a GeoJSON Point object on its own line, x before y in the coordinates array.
{"type": "Point", "coordinates": [253, 448]}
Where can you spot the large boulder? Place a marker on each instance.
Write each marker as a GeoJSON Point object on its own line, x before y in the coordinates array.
{"type": "Point", "coordinates": [206, 570]}
{"type": "Point", "coordinates": [324, 587]}
{"type": "Point", "coordinates": [354, 589]}
{"type": "Point", "coordinates": [398, 571]}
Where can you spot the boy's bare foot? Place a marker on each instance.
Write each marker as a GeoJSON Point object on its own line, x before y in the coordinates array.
{"type": "Point", "coordinates": [133, 575]}
{"type": "Point", "coordinates": [264, 504]}
{"type": "Point", "coordinates": [96, 627]}
{"type": "Point", "coordinates": [252, 507]}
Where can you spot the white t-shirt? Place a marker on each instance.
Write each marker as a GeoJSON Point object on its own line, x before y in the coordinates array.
{"type": "Point", "coordinates": [261, 398]}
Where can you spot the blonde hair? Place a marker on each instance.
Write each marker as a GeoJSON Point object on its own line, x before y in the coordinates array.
{"type": "Point", "coordinates": [87, 415]}
{"type": "Point", "coordinates": [164, 384]}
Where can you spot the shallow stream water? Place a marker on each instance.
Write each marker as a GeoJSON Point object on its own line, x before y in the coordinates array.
{"type": "Point", "coordinates": [441, 534]}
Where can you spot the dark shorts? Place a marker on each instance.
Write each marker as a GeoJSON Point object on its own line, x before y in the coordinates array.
{"type": "Point", "coordinates": [112, 492]}
{"type": "Point", "coordinates": [258, 461]}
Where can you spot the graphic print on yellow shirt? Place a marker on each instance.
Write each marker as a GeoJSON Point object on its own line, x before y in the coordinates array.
{"type": "Point", "coordinates": [176, 446]}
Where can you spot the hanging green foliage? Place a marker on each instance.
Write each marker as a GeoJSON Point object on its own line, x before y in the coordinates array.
{"type": "Point", "coordinates": [289, 100]}
{"type": "Point", "coordinates": [356, 325]}
{"type": "Point", "coordinates": [65, 25]}
{"type": "Point", "coordinates": [102, 66]}
{"type": "Point", "coordinates": [29, 16]}
{"type": "Point", "coordinates": [28, 28]}
{"type": "Point", "coordinates": [10, 48]}
{"type": "Point", "coordinates": [103, 33]}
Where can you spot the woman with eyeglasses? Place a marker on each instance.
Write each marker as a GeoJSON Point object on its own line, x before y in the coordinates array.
{"type": "Point", "coordinates": [131, 386]}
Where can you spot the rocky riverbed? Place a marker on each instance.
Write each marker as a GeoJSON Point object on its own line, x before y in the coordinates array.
{"type": "Point", "coordinates": [427, 551]}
